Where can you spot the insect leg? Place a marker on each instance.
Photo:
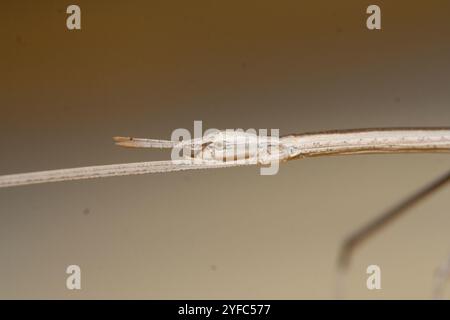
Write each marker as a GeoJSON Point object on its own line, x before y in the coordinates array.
{"type": "Point", "coordinates": [362, 234]}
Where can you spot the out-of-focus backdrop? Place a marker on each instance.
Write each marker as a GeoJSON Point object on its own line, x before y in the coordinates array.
{"type": "Point", "coordinates": [145, 68]}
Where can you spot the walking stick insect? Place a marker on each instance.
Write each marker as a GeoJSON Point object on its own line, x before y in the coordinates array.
{"type": "Point", "coordinates": [219, 150]}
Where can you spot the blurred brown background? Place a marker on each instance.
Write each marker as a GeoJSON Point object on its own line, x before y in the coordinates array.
{"type": "Point", "coordinates": [145, 68]}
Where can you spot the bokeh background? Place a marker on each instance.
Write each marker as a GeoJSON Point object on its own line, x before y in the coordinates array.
{"type": "Point", "coordinates": [145, 68]}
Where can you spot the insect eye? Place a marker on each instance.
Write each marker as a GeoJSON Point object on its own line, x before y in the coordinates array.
{"type": "Point", "coordinates": [219, 145]}
{"type": "Point", "coordinates": [292, 150]}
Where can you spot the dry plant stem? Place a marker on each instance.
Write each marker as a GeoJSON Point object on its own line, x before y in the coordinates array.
{"type": "Point", "coordinates": [361, 235]}
{"type": "Point", "coordinates": [112, 170]}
